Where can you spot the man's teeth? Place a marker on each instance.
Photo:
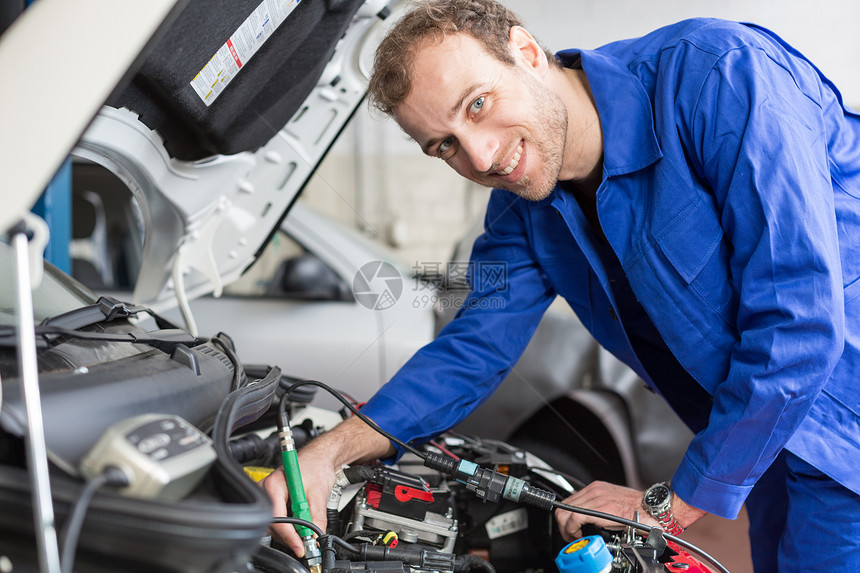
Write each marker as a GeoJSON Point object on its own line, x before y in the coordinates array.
{"type": "Point", "coordinates": [515, 160]}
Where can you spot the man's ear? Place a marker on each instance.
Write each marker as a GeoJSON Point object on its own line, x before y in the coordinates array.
{"type": "Point", "coordinates": [527, 51]}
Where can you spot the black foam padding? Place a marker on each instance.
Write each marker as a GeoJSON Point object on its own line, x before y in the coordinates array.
{"type": "Point", "coordinates": [260, 99]}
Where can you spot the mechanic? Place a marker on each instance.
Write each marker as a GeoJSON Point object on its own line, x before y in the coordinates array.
{"type": "Point", "coordinates": [694, 195]}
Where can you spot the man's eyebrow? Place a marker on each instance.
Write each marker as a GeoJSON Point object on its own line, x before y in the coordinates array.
{"type": "Point", "coordinates": [463, 95]}
{"type": "Point", "coordinates": [451, 113]}
{"type": "Point", "coordinates": [426, 147]}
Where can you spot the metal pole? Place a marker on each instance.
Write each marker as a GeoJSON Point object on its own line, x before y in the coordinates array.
{"type": "Point", "coordinates": [37, 453]}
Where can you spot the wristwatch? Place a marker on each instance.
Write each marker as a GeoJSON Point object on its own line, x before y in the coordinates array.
{"type": "Point", "coordinates": [657, 501]}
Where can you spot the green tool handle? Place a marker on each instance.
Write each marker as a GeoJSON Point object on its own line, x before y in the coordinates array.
{"type": "Point", "coordinates": [298, 502]}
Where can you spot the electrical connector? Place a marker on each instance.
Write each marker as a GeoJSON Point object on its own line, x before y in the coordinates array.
{"type": "Point", "coordinates": [488, 484]}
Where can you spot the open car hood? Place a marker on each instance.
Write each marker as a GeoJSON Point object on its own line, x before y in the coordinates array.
{"type": "Point", "coordinates": [215, 169]}
{"type": "Point", "coordinates": [229, 112]}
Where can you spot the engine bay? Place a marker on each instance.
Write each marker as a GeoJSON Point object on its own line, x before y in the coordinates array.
{"type": "Point", "coordinates": [461, 503]}
{"type": "Point", "coordinates": [172, 465]}
{"type": "Point", "coordinates": [480, 505]}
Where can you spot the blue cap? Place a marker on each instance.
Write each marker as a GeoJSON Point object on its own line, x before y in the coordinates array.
{"type": "Point", "coordinates": [586, 555]}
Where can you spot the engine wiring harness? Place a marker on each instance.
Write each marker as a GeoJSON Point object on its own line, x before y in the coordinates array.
{"type": "Point", "coordinates": [375, 545]}
{"type": "Point", "coordinates": [488, 485]}
{"type": "Point", "coordinates": [384, 551]}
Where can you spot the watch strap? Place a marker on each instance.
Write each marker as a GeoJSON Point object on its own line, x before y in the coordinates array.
{"type": "Point", "coordinates": [668, 522]}
{"type": "Point", "coordinates": [663, 513]}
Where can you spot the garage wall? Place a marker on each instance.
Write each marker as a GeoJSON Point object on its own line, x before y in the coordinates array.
{"type": "Point", "coordinates": [376, 179]}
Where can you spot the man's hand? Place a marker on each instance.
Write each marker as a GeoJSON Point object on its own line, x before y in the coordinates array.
{"type": "Point", "coordinates": [615, 500]}
{"type": "Point", "coordinates": [318, 479]}
{"type": "Point", "coordinates": [351, 441]}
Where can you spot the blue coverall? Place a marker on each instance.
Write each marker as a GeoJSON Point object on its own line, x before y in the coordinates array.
{"type": "Point", "coordinates": [731, 199]}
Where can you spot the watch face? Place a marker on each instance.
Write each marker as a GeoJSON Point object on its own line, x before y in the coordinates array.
{"type": "Point", "coordinates": [656, 495]}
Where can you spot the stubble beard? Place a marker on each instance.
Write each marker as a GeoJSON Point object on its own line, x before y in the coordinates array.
{"type": "Point", "coordinates": [546, 144]}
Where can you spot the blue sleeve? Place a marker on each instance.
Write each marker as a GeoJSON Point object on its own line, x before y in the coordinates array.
{"type": "Point", "coordinates": [757, 135]}
{"type": "Point", "coordinates": [451, 376]}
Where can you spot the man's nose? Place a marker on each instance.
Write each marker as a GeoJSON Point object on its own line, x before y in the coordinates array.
{"type": "Point", "coordinates": [481, 150]}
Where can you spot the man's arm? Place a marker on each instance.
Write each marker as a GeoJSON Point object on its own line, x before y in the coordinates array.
{"type": "Point", "coordinates": [615, 500]}
{"type": "Point", "coordinates": [758, 133]}
{"type": "Point", "coordinates": [755, 132]}
{"type": "Point", "coordinates": [451, 376]}
{"type": "Point", "coordinates": [351, 441]}
{"type": "Point", "coordinates": [447, 378]}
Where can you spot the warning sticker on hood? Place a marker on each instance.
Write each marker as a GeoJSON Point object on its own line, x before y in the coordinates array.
{"type": "Point", "coordinates": [221, 68]}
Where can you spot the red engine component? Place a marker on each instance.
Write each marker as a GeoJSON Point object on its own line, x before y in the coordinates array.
{"type": "Point", "coordinates": [683, 562]}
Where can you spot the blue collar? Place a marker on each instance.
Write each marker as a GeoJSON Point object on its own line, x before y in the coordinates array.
{"type": "Point", "coordinates": [626, 115]}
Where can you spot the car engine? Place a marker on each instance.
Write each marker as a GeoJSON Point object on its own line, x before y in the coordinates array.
{"type": "Point", "coordinates": [462, 503]}
{"type": "Point", "coordinates": [155, 479]}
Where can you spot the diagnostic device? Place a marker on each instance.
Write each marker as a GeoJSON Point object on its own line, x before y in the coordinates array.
{"type": "Point", "coordinates": [164, 456]}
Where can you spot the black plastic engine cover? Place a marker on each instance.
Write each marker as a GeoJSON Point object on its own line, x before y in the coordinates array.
{"type": "Point", "coordinates": [103, 383]}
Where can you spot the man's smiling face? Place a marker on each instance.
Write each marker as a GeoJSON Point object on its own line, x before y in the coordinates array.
{"type": "Point", "coordinates": [494, 123]}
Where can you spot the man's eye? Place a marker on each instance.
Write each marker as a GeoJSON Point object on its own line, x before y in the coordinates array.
{"type": "Point", "coordinates": [445, 145]}
{"type": "Point", "coordinates": [477, 105]}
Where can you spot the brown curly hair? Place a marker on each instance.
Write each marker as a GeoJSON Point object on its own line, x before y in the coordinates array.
{"type": "Point", "coordinates": [485, 20]}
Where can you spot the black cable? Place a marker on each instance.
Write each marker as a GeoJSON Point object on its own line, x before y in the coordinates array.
{"type": "Point", "coordinates": [358, 474]}
{"type": "Point", "coordinates": [252, 448]}
{"type": "Point", "coordinates": [296, 521]}
{"type": "Point", "coordinates": [319, 532]}
{"type": "Point", "coordinates": [424, 456]}
{"type": "Point", "coordinates": [282, 410]}
{"type": "Point", "coordinates": [343, 543]}
{"type": "Point", "coordinates": [369, 533]}
{"type": "Point", "coordinates": [469, 562]}
{"type": "Point", "coordinates": [332, 520]}
{"type": "Point", "coordinates": [641, 527]}
{"type": "Point", "coordinates": [72, 528]}
{"type": "Point", "coordinates": [329, 554]}
{"type": "Point", "coordinates": [111, 475]}
{"type": "Point", "coordinates": [304, 396]}
{"type": "Point", "coordinates": [358, 414]}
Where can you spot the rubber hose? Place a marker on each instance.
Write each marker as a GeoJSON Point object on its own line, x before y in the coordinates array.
{"type": "Point", "coordinates": [274, 560]}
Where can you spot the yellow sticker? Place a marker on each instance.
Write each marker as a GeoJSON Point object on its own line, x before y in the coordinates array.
{"type": "Point", "coordinates": [574, 547]}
